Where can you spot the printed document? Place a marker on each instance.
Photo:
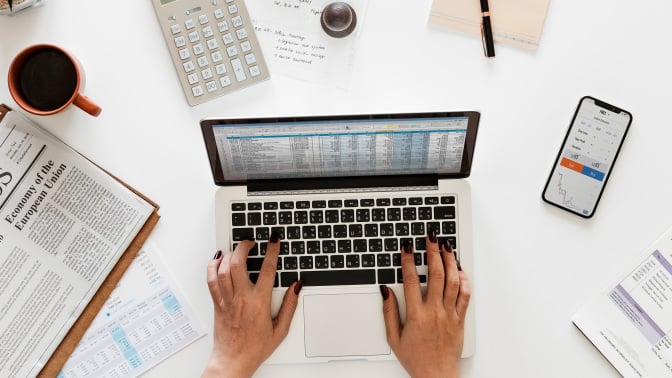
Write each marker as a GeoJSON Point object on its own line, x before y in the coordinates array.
{"type": "Point", "coordinates": [64, 223]}
{"type": "Point", "coordinates": [631, 323]}
{"type": "Point", "coordinates": [145, 320]}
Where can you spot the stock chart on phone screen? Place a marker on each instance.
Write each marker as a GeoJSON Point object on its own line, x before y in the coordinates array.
{"type": "Point", "coordinates": [587, 157]}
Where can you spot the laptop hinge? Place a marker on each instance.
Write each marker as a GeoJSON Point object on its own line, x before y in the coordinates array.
{"type": "Point", "coordinates": [343, 184]}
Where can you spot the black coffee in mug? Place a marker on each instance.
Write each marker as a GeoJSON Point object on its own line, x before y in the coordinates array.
{"type": "Point", "coordinates": [48, 79]}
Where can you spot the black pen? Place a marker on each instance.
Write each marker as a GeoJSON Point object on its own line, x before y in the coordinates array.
{"type": "Point", "coordinates": [486, 31]}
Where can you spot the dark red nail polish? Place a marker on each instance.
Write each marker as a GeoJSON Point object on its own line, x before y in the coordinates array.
{"type": "Point", "coordinates": [407, 247]}
{"type": "Point", "coordinates": [447, 246]}
{"type": "Point", "coordinates": [432, 235]}
{"type": "Point", "coordinates": [385, 292]}
{"type": "Point", "coordinates": [275, 236]}
{"type": "Point", "coordinates": [251, 238]}
{"type": "Point", "coordinates": [298, 286]}
{"type": "Point", "coordinates": [459, 267]}
{"type": "Point", "coordinates": [218, 254]}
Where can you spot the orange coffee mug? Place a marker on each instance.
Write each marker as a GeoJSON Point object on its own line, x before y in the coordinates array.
{"type": "Point", "coordinates": [45, 79]}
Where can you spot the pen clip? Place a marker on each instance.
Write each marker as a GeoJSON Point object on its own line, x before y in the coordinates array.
{"type": "Point", "coordinates": [485, 47]}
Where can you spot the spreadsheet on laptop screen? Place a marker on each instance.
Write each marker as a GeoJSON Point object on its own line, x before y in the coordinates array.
{"type": "Point", "coordinates": [341, 148]}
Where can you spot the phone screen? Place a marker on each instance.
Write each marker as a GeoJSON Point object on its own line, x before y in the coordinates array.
{"type": "Point", "coordinates": [587, 156]}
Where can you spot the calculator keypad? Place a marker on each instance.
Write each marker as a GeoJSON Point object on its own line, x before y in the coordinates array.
{"type": "Point", "coordinates": [213, 46]}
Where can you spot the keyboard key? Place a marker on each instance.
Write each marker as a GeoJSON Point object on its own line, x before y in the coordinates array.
{"type": "Point", "coordinates": [396, 259]}
{"type": "Point", "coordinates": [313, 247]}
{"type": "Point", "coordinates": [418, 228]}
{"type": "Point", "coordinates": [316, 216]}
{"type": "Point", "coordinates": [425, 213]}
{"type": "Point", "coordinates": [331, 216]}
{"type": "Point", "coordinates": [347, 216]}
{"type": "Point", "coordinates": [270, 218]}
{"type": "Point", "coordinates": [324, 232]}
{"type": "Point", "coordinates": [383, 202]}
{"type": "Point", "coordinates": [254, 206]}
{"type": "Point", "coordinates": [280, 231]}
{"type": "Point", "coordinates": [371, 230]}
{"type": "Point", "coordinates": [300, 217]}
{"type": "Point", "coordinates": [418, 258]}
{"type": "Point", "coordinates": [340, 231]}
{"type": "Point", "coordinates": [306, 262]}
{"type": "Point", "coordinates": [303, 204]}
{"type": "Point", "coordinates": [375, 245]}
{"type": "Point", "coordinates": [352, 261]}
{"type": "Point", "coordinates": [386, 276]}
{"type": "Point", "coordinates": [391, 245]}
{"type": "Point", "coordinates": [319, 204]}
{"type": "Point", "coordinates": [337, 261]}
{"type": "Point", "coordinates": [447, 200]}
{"type": "Point", "coordinates": [363, 215]}
{"type": "Point", "coordinates": [239, 234]}
{"type": "Point", "coordinates": [254, 264]}
{"type": "Point", "coordinates": [254, 219]}
{"type": "Point", "coordinates": [368, 202]}
{"type": "Point", "coordinates": [383, 259]}
{"type": "Point", "coordinates": [378, 215]}
{"type": "Point", "coordinates": [359, 245]}
{"type": "Point", "coordinates": [444, 212]}
{"type": "Point", "coordinates": [284, 248]}
{"type": "Point", "coordinates": [409, 214]}
{"type": "Point", "coordinates": [286, 205]}
{"type": "Point", "coordinates": [237, 65]}
{"type": "Point", "coordinates": [285, 217]}
{"type": "Point", "coordinates": [394, 214]}
{"type": "Point", "coordinates": [415, 201]}
{"type": "Point", "coordinates": [297, 248]}
{"type": "Point", "coordinates": [399, 201]}
{"type": "Point", "coordinates": [387, 229]}
{"type": "Point", "coordinates": [321, 262]}
{"type": "Point", "coordinates": [290, 263]}
{"type": "Point", "coordinates": [270, 206]}
{"type": "Point", "coordinates": [448, 227]}
{"type": "Point", "coordinates": [238, 219]}
{"type": "Point", "coordinates": [345, 246]}
{"type": "Point", "coordinates": [368, 260]}
{"type": "Point", "coordinates": [351, 203]}
{"type": "Point", "coordinates": [401, 229]}
{"type": "Point", "coordinates": [335, 203]}
{"type": "Point", "coordinates": [355, 231]}
{"type": "Point", "coordinates": [261, 233]}
{"type": "Point", "coordinates": [339, 277]}
{"type": "Point", "coordinates": [431, 200]}
{"type": "Point", "coordinates": [309, 232]}
{"type": "Point", "coordinates": [420, 244]}
{"type": "Point", "coordinates": [329, 246]}
{"type": "Point", "coordinates": [288, 278]}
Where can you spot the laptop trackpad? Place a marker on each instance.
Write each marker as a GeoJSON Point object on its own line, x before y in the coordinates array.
{"type": "Point", "coordinates": [344, 325]}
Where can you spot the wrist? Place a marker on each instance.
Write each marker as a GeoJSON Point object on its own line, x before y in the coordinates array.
{"type": "Point", "coordinates": [221, 368]}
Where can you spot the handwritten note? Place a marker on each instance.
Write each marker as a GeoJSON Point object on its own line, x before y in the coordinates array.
{"type": "Point", "coordinates": [294, 43]}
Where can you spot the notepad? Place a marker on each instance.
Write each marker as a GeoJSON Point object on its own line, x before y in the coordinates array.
{"type": "Point", "coordinates": [518, 22]}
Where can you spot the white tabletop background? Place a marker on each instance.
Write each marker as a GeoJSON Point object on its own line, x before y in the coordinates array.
{"type": "Point", "coordinates": [535, 265]}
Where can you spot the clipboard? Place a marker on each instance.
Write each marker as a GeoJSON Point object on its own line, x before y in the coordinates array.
{"type": "Point", "coordinates": [78, 329]}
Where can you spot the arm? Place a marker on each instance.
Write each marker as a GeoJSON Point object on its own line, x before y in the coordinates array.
{"type": "Point", "coordinates": [429, 343]}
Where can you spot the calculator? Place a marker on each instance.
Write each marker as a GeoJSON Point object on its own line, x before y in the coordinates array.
{"type": "Point", "coordinates": [213, 46]}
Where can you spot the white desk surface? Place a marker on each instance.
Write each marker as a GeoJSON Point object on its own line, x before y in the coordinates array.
{"type": "Point", "coordinates": [534, 265]}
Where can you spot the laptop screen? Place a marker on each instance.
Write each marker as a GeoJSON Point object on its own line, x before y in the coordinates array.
{"type": "Point", "coordinates": [340, 146]}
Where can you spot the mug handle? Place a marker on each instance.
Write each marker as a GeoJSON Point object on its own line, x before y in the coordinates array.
{"type": "Point", "coordinates": [87, 105]}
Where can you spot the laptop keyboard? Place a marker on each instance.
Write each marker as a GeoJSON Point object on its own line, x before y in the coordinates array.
{"type": "Point", "coordinates": [343, 242]}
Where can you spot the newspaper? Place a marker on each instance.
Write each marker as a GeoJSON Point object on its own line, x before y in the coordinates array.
{"type": "Point", "coordinates": [64, 223]}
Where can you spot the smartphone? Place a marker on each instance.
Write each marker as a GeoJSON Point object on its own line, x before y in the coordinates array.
{"type": "Point", "coordinates": [587, 156]}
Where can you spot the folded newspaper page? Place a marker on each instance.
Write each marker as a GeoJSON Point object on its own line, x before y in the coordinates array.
{"type": "Point", "coordinates": [64, 223]}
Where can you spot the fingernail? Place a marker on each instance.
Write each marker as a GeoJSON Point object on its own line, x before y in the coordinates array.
{"type": "Point", "coordinates": [407, 247]}
{"type": "Point", "coordinates": [447, 246]}
{"type": "Point", "coordinates": [459, 267]}
{"type": "Point", "coordinates": [385, 292]}
{"type": "Point", "coordinates": [275, 236]}
{"type": "Point", "coordinates": [298, 286]}
{"type": "Point", "coordinates": [432, 235]}
{"type": "Point", "coordinates": [250, 238]}
{"type": "Point", "coordinates": [218, 254]}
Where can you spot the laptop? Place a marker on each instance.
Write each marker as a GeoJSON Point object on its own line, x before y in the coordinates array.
{"type": "Point", "coordinates": [344, 192]}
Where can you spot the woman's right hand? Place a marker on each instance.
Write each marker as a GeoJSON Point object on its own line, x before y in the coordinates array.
{"type": "Point", "coordinates": [429, 343]}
